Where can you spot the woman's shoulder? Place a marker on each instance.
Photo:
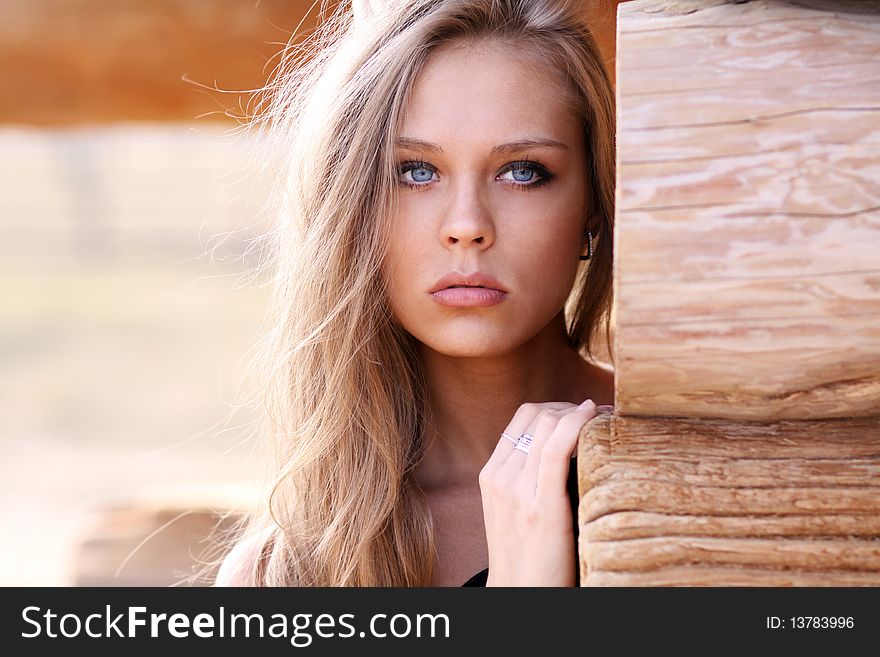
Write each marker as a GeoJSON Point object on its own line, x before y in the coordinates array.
{"type": "Point", "coordinates": [239, 565]}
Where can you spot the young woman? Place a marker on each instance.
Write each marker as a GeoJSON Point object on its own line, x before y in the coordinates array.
{"type": "Point", "coordinates": [442, 269]}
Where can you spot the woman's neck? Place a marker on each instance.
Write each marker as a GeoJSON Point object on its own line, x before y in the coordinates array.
{"type": "Point", "coordinates": [473, 399]}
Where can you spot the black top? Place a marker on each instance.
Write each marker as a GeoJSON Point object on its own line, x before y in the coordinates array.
{"type": "Point", "coordinates": [572, 485]}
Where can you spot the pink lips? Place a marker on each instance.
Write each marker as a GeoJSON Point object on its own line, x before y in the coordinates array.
{"type": "Point", "coordinates": [468, 290]}
{"type": "Point", "coordinates": [468, 296]}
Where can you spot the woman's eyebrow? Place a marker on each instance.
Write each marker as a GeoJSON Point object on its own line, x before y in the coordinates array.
{"type": "Point", "coordinates": [510, 147]}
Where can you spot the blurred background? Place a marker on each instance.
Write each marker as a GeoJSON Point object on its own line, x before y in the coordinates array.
{"type": "Point", "coordinates": [130, 204]}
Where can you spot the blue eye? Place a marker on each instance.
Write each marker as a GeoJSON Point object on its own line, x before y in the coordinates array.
{"type": "Point", "coordinates": [522, 174]}
{"type": "Point", "coordinates": [527, 174]}
{"type": "Point", "coordinates": [421, 173]}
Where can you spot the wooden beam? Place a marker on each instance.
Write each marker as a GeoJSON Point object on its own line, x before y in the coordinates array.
{"type": "Point", "coordinates": [745, 449]}
{"type": "Point", "coordinates": [748, 209]}
{"type": "Point", "coordinates": [697, 501]}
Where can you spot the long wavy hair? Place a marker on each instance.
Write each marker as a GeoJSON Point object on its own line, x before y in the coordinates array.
{"type": "Point", "coordinates": [345, 398]}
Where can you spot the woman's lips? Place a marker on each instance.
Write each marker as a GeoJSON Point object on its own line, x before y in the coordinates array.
{"type": "Point", "coordinates": [459, 297]}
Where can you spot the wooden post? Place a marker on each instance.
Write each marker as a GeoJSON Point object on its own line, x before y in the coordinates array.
{"type": "Point", "coordinates": [718, 502]}
{"type": "Point", "coordinates": [746, 445]}
{"type": "Point", "coordinates": [748, 209]}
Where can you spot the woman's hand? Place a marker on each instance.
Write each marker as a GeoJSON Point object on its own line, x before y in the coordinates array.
{"type": "Point", "coordinates": [527, 511]}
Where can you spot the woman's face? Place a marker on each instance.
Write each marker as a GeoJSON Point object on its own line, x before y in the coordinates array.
{"type": "Point", "coordinates": [492, 180]}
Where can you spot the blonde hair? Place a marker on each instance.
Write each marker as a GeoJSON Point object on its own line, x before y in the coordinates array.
{"type": "Point", "coordinates": [345, 395]}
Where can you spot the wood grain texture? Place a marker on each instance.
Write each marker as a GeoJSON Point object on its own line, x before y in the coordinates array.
{"type": "Point", "coordinates": [747, 244]}
{"type": "Point", "coordinates": [668, 501]}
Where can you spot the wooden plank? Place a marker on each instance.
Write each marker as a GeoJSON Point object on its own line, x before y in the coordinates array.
{"type": "Point", "coordinates": [748, 210]}
{"type": "Point", "coordinates": [661, 551]}
{"type": "Point", "coordinates": [624, 525]}
{"type": "Point", "coordinates": [854, 438]}
{"type": "Point", "coordinates": [668, 501]}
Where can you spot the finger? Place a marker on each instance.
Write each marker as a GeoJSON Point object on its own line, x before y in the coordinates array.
{"type": "Point", "coordinates": [523, 417]}
{"type": "Point", "coordinates": [530, 469]}
{"type": "Point", "coordinates": [539, 429]}
{"type": "Point", "coordinates": [556, 457]}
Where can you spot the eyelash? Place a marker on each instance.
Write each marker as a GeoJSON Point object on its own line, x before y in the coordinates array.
{"type": "Point", "coordinates": [537, 167]}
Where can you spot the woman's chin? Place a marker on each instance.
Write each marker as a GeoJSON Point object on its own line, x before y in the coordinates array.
{"type": "Point", "coordinates": [472, 346]}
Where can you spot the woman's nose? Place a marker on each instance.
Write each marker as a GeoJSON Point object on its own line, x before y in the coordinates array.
{"type": "Point", "coordinates": [468, 220]}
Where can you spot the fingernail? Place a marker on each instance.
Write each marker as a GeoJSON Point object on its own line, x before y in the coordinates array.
{"type": "Point", "coordinates": [605, 408]}
{"type": "Point", "coordinates": [585, 403]}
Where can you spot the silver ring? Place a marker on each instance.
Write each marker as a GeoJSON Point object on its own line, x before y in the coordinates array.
{"type": "Point", "coordinates": [510, 438]}
{"type": "Point", "coordinates": [524, 443]}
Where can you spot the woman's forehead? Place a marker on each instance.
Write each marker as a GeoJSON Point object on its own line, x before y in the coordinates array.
{"type": "Point", "coordinates": [487, 87]}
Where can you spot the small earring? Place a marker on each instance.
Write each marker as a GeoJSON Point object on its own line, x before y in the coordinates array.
{"type": "Point", "coordinates": [589, 247]}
